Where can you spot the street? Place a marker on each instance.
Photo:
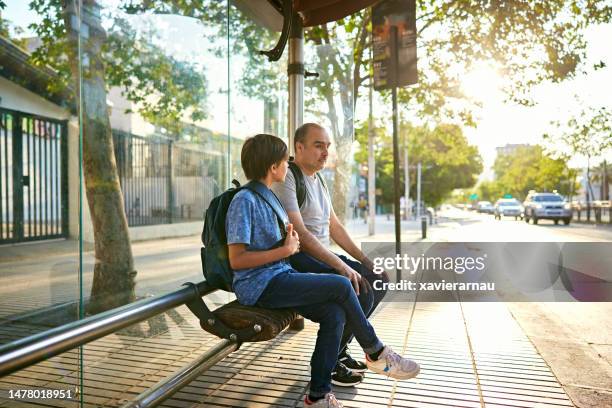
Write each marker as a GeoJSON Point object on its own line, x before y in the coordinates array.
{"type": "Point", "coordinates": [462, 226]}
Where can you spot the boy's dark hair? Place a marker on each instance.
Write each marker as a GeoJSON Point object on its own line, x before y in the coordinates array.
{"type": "Point", "coordinates": [302, 131]}
{"type": "Point", "coordinates": [259, 153]}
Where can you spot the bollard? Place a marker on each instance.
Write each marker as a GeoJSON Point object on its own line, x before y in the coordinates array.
{"type": "Point", "coordinates": [423, 227]}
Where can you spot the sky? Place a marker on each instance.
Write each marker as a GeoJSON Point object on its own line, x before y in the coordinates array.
{"type": "Point", "coordinates": [499, 122]}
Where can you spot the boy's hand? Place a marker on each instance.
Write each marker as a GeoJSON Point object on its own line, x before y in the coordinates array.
{"type": "Point", "coordinates": [292, 241]}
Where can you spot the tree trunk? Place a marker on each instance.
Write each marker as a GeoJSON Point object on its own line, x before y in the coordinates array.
{"type": "Point", "coordinates": [342, 178]}
{"type": "Point", "coordinates": [113, 282]}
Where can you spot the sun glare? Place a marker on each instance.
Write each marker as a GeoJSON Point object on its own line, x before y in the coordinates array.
{"type": "Point", "coordinates": [482, 82]}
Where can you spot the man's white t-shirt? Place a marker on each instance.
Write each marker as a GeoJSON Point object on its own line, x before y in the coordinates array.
{"type": "Point", "coordinates": [316, 208]}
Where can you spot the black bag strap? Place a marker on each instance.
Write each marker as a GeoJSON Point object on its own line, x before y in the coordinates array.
{"type": "Point", "coordinates": [300, 184]}
{"type": "Point", "coordinates": [269, 197]}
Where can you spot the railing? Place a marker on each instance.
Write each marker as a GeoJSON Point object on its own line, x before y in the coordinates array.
{"type": "Point", "coordinates": [598, 212]}
{"type": "Point", "coordinates": [31, 350]}
{"type": "Point", "coordinates": [169, 385]}
{"type": "Point", "coordinates": [164, 181]}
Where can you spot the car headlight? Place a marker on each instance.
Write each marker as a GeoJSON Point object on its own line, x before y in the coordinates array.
{"type": "Point", "coordinates": [538, 206]}
{"type": "Point", "coordinates": [567, 206]}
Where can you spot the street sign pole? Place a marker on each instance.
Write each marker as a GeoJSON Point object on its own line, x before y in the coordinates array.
{"type": "Point", "coordinates": [396, 160]}
{"type": "Point", "coordinates": [394, 61]}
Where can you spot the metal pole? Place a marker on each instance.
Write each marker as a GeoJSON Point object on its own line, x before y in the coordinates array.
{"type": "Point", "coordinates": [170, 385]}
{"type": "Point", "coordinates": [606, 192]}
{"type": "Point", "coordinates": [18, 214]}
{"type": "Point", "coordinates": [406, 184]}
{"type": "Point", "coordinates": [371, 162]}
{"type": "Point", "coordinates": [295, 73]}
{"type": "Point", "coordinates": [418, 206]}
{"type": "Point", "coordinates": [31, 350]}
{"type": "Point", "coordinates": [396, 161]}
{"type": "Point", "coordinates": [169, 185]}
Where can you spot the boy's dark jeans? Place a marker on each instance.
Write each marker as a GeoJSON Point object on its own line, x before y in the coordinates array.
{"type": "Point", "coordinates": [303, 262]}
{"type": "Point", "coordinates": [330, 301]}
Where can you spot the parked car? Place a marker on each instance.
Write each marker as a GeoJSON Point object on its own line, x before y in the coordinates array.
{"type": "Point", "coordinates": [547, 206]}
{"type": "Point", "coordinates": [508, 207]}
{"type": "Point", "coordinates": [485, 207]}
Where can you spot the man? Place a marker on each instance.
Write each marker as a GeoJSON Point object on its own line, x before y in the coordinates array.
{"type": "Point", "coordinates": [315, 222]}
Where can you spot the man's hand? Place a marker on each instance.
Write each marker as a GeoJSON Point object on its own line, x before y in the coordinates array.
{"type": "Point", "coordinates": [369, 265]}
{"type": "Point", "coordinates": [354, 277]}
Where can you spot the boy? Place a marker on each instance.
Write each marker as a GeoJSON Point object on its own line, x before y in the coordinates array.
{"type": "Point", "coordinates": [263, 276]}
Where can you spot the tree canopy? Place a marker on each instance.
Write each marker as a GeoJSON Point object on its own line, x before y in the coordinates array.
{"type": "Point", "coordinates": [448, 160]}
{"type": "Point", "coordinates": [164, 89]}
{"type": "Point", "coordinates": [528, 168]}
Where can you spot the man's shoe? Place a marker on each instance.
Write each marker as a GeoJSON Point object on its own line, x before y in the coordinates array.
{"type": "Point", "coordinates": [329, 401]}
{"type": "Point", "coordinates": [343, 377]}
{"type": "Point", "coordinates": [352, 364]}
{"type": "Point", "coordinates": [393, 365]}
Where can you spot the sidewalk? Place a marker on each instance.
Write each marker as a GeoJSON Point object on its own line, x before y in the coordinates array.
{"type": "Point", "coordinates": [469, 358]}
{"type": "Point", "coordinates": [472, 354]}
{"type": "Point", "coordinates": [573, 339]}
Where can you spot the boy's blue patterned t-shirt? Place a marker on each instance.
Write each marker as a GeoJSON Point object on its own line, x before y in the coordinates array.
{"type": "Point", "coordinates": [251, 221]}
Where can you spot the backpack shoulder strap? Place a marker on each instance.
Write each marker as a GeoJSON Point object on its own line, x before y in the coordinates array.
{"type": "Point", "coordinates": [269, 197]}
{"type": "Point", "coordinates": [322, 180]}
{"type": "Point", "coordinates": [300, 184]}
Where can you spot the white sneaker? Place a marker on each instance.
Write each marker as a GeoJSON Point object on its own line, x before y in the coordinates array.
{"type": "Point", "coordinates": [393, 365]}
{"type": "Point", "coordinates": [329, 401]}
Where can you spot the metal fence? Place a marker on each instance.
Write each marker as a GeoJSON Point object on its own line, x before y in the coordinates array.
{"type": "Point", "coordinates": [33, 177]}
{"type": "Point", "coordinates": [164, 181]}
{"type": "Point", "coordinates": [597, 213]}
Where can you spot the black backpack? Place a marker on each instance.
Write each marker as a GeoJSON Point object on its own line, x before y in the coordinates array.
{"type": "Point", "coordinates": [300, 184]}
{"type": "Point", "coordinates": [214, 253]}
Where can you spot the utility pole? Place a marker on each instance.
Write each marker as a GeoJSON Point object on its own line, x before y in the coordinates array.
{"type": "Point", "coordinates": [418, 205]}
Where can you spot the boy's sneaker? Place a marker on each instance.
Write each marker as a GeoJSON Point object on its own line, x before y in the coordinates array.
{"type": "Point", "coordinates": [393, 365]}
{"type": "Point", "coordinates": [329, 401]}
{"type": "Point", "coordinates": [352, 364]}
{"type": "Point", "coordinates": [343, 377]}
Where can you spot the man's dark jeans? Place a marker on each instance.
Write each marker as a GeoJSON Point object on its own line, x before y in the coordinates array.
{"type": "Point", "coordinates": [303, 262]}
{"type": "Point", "coordinates": [330, 301]}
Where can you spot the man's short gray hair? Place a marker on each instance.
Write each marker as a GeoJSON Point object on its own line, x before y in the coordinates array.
{"type": "Point", "coordinates": [302, 131]}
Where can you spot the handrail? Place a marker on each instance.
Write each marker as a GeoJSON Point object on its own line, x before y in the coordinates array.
{"type": "Point", "coordinates": [33, 349]}
{"type": "Point", "coordinates": [167, 387]}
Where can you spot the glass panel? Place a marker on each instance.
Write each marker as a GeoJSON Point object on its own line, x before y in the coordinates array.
{"type": "Point", "coordinates": [328, 101]}
{"type": "Point", "coordinates": [162, 159]}
{"type": "Point", "coordinates": [39, 191]}
{"type": "Point", "coordinates": [259, 95]}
